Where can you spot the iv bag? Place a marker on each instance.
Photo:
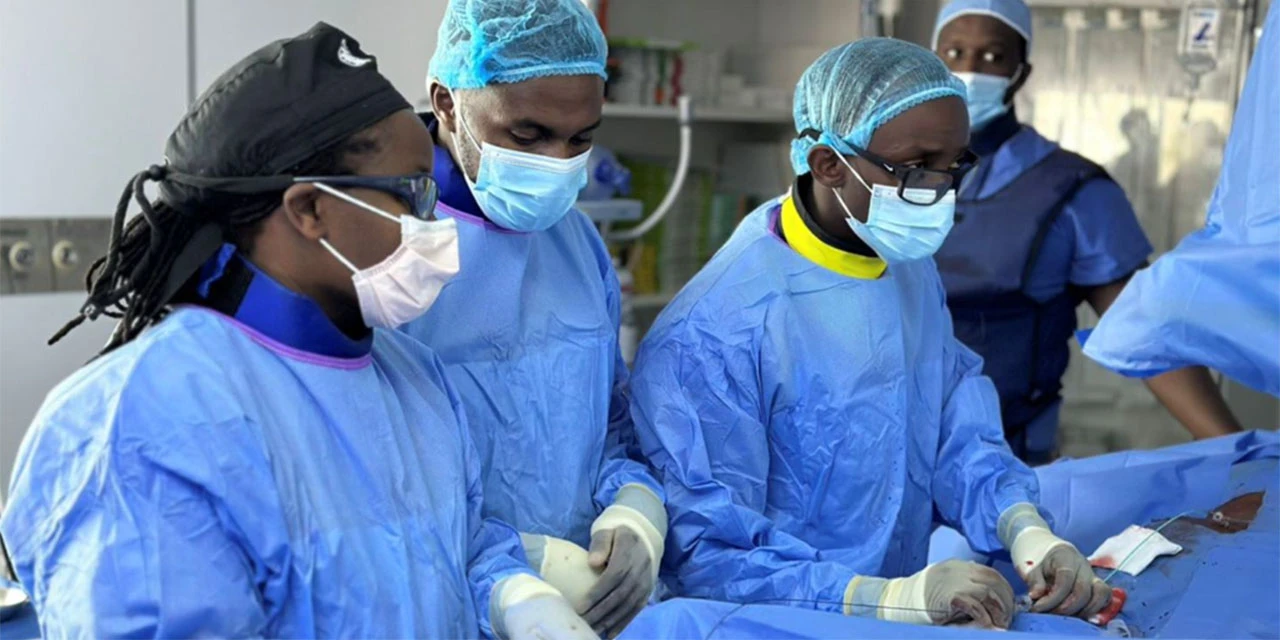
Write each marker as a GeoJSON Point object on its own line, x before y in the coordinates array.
{"type": "Point", "coordinates": [1198, 36]}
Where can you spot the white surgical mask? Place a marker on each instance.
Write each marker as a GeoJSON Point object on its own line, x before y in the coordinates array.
{"type": "Point", "coordinates": [986, 97]}
{"type": "Point", "coordinates": [405, 284]}
{"type": "Point", "coordinates": [524, 191]}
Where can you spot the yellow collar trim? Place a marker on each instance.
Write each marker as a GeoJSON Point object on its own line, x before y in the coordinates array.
{"type": "Point", "coordinates": [802, 239]}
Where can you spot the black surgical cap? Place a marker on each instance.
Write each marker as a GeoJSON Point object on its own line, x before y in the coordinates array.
{"type": "Point", "coordinates": [283, 104]}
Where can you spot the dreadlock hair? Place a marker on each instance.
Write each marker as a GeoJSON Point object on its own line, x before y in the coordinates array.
{"type": "Point", "coordinates": [129, 282]}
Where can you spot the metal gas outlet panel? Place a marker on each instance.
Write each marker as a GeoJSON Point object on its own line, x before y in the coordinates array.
{"type": "Point", "coordinates": [74, 245]}
{"type": "Point", "coordinates": [25, 263]}
{"type": "Point", "coordinates": [42, 255]}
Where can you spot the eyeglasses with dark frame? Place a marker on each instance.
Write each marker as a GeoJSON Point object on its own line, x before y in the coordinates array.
{"type": "Point", "coordinates": [419, 191]}
{"type": "Point", "coordinates": [917, 185]}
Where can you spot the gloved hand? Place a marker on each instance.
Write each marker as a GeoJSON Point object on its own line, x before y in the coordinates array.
{"type": "Point", "coordinates": [1063, 583]}
{"type": "Point", "coordinates": [526, 608]}
{"type": "Point", "coordinates": [563, 565]}
{"type": "Point", "coordinates": [627, 542]}
{"type": "Point", "coordinates": [625, 584]}
{"type": "Point", "coordinates": [958, 592]}
{"type": "Point", "coordinates": [546, 617]}
{"type": "Point", "coordinates": [951, 592]}
{"type": "Point", "coordinates": [1059, 576]}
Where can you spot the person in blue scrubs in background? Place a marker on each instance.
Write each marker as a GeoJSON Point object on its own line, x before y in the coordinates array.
{"type": "Point", "coordinates": [252, 455]}
{"type": "Point", "coordinates": [1215, 299]}
{"type": "Point", "coordinates": [804, 398]}
{"type": "Point", "coordinates": [1038, 230]}
{"type": "Point", "coordinates": [529, 331]}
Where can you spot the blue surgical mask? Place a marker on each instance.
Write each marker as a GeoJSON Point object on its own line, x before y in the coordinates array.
{"type": "Point", "coordinates": [986, 98]}
{"type": "Point", "coordinates": [524, 191]}
{"type": "Point", "coordinates": [897, 230]}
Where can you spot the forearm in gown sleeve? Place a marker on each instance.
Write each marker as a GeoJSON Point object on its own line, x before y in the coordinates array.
{"type": "Point", "coordinates": [977, 477]}
{"type": "Point", "coordinates": [620, 465]}
{"type": "Point", "coordinates": [147, 553]}
{"type": "Point", "coordinates": [698, 422]}
{"type": "Point", "coordinates": [495, 552]}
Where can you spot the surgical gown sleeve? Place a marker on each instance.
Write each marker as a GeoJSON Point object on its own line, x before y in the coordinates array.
{"type": "Point", "coordinates": [1109, 241]}
{"type": "Point", "coordinates": [976, 477]}
{"type": "Point", "coordinates": [127, 543]}
{"type": "Point", "coordinates": [698, 416]}
{"type": "Point", "coordinates": [620, 466]}
{"type": "Point", "coordinates": [495, 552]}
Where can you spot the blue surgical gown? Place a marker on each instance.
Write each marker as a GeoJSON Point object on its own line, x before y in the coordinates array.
{"type": "Point", "coordinates": [528, 333]}
{"type": "Point", "coordinates": [209, 479]}
{"type": "Point", "coordinates": [810, 427]}
{"type": "Point", "coordinates": [1215, 299]}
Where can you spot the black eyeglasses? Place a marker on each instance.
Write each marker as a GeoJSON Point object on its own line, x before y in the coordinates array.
{"type": "Point", "coordinates": [418, 191]}
{"type": "Point", "coordinates": [917, 185]}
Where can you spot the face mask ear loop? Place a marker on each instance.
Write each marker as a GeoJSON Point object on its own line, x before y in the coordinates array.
{"type": "Point", "coordinates": [457, 108]}
{"type": "Point", "coordinates": [836, 192]}
{"type": "Point", "coordinates": [356, 201]}
{"type": "Point", "coordinates": [844, 206]}
{"type": "Point", "coordinates": [853, 171]}
{"type": "Point", "coordinates": [1007, 99]}
{"type": "Point", "coordinates": [345, 262]}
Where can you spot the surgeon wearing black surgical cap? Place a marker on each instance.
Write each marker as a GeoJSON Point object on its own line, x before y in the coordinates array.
{"type": "Point", "coordinates": [252, 454]}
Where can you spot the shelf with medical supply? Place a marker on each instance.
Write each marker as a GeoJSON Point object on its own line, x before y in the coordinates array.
{"type": "Point", "coordinates": [687, 190]}
{"type": "Point", "coordinates": [697, 193]}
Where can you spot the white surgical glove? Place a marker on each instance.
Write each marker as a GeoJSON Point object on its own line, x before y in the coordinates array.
{"type": "Point", "coordinates": [562, 564]}
{"type": "Point", "coordinates": [526, 608]}
{"type": "Point", "coordinates": [627, 543]}
{"type": "Point", "coordinates": [1059, 576]}
{"type": "Point", "coordinates": [948, 592]}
